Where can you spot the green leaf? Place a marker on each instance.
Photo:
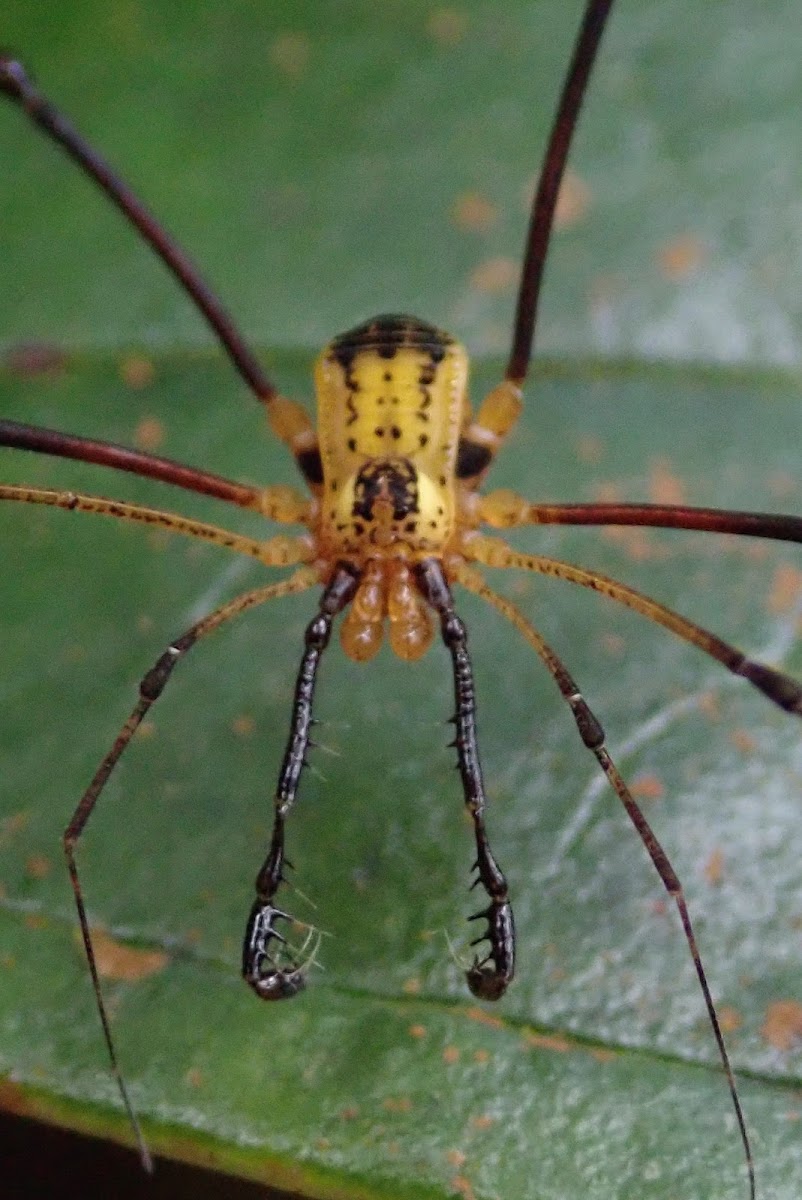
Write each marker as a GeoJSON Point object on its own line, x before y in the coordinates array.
{"type": "Point", "coordinates": [316, 180]}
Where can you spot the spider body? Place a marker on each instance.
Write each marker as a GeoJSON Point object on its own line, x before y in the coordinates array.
{"type": "Point", "coordinates": [399, 460]}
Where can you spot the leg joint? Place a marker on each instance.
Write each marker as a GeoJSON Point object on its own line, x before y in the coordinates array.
{"type": "Point", "coordinates": [153, 683]}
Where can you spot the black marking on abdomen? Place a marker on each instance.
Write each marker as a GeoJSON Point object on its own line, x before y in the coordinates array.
{"type": "Point", "coordinates": [388, 333]}
{"type": "Point", "coordinates": [392, 478]}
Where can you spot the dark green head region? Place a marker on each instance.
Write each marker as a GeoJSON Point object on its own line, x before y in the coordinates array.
{"type": "Point", "coordinates": [387, 334]}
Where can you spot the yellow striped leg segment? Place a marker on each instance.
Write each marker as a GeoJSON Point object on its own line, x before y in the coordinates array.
{"type": "Point", "coordinates": [275, 552]}
{"type": "Point", "coordinates": [779, 688]}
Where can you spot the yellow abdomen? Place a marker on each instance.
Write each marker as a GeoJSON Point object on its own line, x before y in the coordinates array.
{"type": "Point", "coordinates": [391, 404]}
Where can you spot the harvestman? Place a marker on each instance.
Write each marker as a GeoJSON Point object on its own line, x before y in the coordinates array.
{"type": "Point", "coordinates": [392, 517]}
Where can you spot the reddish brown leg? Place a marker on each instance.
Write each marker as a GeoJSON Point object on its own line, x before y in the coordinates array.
{"type": "Point", "coordinates": [288, 420]}
{"type": "Point", "coordinates": [505, 509]}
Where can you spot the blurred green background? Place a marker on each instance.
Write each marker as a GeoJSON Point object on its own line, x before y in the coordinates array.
{"type": "Point", "coordinates": [311, 157]}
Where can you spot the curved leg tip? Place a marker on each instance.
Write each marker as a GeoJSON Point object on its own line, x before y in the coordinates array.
{"type": "Point", "coordinates": [488, 978]}
{"type": "Point", "coordinates": [278, 984]}
{"type": "Point", "coordinates": [262, 968]}
{"type": "Point", "coordinates": [485, 982]}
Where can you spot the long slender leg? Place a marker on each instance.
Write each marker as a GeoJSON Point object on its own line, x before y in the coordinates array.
{"type": "Point", "coordinates": [107, 454]}
{"type": "Point", "coordinates": [592, 734]}
{"type": "Point", "coordinates": [275, 552]}
{"type": "Point", "coordinates": [288, 420]}
{"type": "Point", "coordinates": [781, 689]}
{"type": "Point", "coordinates": [261, 967]}
{"type": "Point", "coordinates": [16, 84]}
{"type": "Point", "coordinates": [488, 977]}
{"type": "Point", "coordinates": [505, 509]}
{"type": "Point", "coordinates": [498, 412]}
{"type": "Point", "coordinates": [551, 173]}
{"type": "Point", "coordinates": [150, 689]}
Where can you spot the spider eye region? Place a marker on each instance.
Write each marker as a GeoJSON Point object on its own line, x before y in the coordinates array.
{"type": "Point", "coordinates": [388, 482]}
{"type": "Point", "coordinates": [388, 509]}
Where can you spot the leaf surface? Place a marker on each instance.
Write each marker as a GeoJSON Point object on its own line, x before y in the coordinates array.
{"type": "Point", "coordinates": [321, 172]}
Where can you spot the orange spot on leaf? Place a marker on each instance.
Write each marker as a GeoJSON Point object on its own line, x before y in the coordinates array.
{"type": "Point", "coordinates": [786, 589]}
{"type": "Point", "coordinates": [149, 434]}
{"type": "Point", "coordinates": [600, 1055]}
{"type": "Point", "coordinates": [243, 726]}
{"type": "Point", "coordinates": [708, 704]}
{"type": "Point", "coordinates": [548, 1041]}
{"type": "Point", "coordinates": [664, 486]}
{"type": "Point", "coordinates": [573, 201]}
{"type": "Point", "coordinates": [495, 275]}
{"type": "Point", "coordinates": [38, 866]}
{"type": "Point", "coordinates": [782, 1028]}
{"type": "Point", "coordinates": [128, 964]}
{"type": "Point", "coordinates": [484, 1018]}
{"type": "Point", "coordinates": [474, 212]}
{"type": "Point", "coordinates": [682, 256]}
{"type": "Point", "coordinates": [714, 867]}
{"type": "Point", "coordinates": [647, 787]}
{"type": "Point", "coordinates": [463, 1186]}
{"type": "Point", "coordinates": [137, 372]}
{"type": "Point", "coordinates": [743, 741]}
{"type": "Point", "coordinates": [729, 1018]}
